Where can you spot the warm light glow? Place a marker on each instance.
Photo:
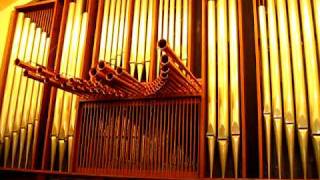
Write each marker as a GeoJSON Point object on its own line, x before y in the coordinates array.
{"type": "Point", "coordinates": [223, 97]}
{"type": "Point", "coordinates": [110, 31]}
{"type": "Point", "coordinates": [142, 38]}
{"type": "Point", "coordinates": [105, 20]}
{"type": "Point", "coordinates": [63, 70]}
{"type": "Point", "coordinates": [115, 37]}
{"type": "Point", "coordinates": [10, 75]}
{"type": "Point", "coordinates": [135, 30]}
{"type": "Point", "coordinates": [311, 65]}
{"type": "Point", "coordinates": [212, 69]}
{"type": "Point", "coordinates": [184, 46]}
{"type": "Point", "coordinates": [17, 76]}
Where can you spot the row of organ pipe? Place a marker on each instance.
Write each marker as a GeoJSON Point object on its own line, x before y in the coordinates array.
{"type": "Point", "coordinates": [21, 107]}
{"type": "Point", "coordinates": [66, 103]}
{"type": "Point", "coordinates": [223, 82]}
{"type": "Point", "coordinates": [289, 37]}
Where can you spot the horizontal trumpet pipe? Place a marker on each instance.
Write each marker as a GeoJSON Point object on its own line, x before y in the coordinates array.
{"type": "Point", "coordinates": [34, 76]}
{"type": "Point", "coordinates": [113, 79]}
{"type": "Point", "coordinates": [127, 77]}
{"type": "Point", "coordinates": [164, 46]}
{"type": "Point", "coordinates": [45, 72]}
{"type": "Point", "coordinates": [25, 65]}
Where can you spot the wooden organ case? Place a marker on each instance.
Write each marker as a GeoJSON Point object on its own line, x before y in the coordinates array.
{"type": "Point", "coordinates": [132, 88]}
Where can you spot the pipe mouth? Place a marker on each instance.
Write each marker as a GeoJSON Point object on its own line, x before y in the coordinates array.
{"type": "Point", "coordinates": [119, 70]}
{"type": "Point", "coordinates": [162, 43]}
{"type": "Point", "coordinates": [39, 69]}
{"type": "Point", "coordinates": [164, 75]}
{"type": "Point", "coordinates": [101, 65]}
{"type": "Point", "coordinates": [93, 72]}
{"type": "Point", "coordinates": [26, 73]}
{"type": "Point", "coordinates": [165, 69]}
{"type": "Point", "coordinates": [109, 76]}
{"type": "Point", "coordinates": [164, 59]}
{"type": "Point", "coordinates": [17, 61]}
{"type": "Point", "coordinates": [46, 80]}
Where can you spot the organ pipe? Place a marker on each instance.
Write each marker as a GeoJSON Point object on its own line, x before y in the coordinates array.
{"type": "Point", "coordinates": [312, 72]}
{"type": "Point", "coordinates": [223, 113]}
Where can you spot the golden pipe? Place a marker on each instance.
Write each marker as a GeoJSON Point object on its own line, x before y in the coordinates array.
{"type": "Point", "coordinates": [184, 45]}
{"type": "Point", "coordinates": [128, 34]}
{"type": "Point", "coordinates": [286, 74]}
{"type": "Point", "coordinates": [60, 93]}
{"type": "Point", "coordinates": [115, 37]}
{"type": "Point", "coordinates": [316, 10]}
{"type": "Point", "coordinates": [212, 81]}
{"type": "Point", "coordinates": [178, 31]}
{"type": "Point", "coordinates": [160, 36]}
{"type": "Point", "coordinates": [78, 73]}
{"type": "Point", "coordinates": [234, 83]}
{"type": "Point", "coordinates": [37, 95]}
{"type": "Point", "coordinates": [223, 98]}
{"type": "Point", "coordinates": [103, 40]}
{"type": "Point", "coordinates": [72, 60]}
{"type": "Point", "coordinates": [299, 82]}
{"type": "Point", "coordinates": [275, 81]}
{"type": "Point", "coordinates": [142, 38]}
{"type": "Point", "coordinates": [266, 83]}
{"type": "Point", "coordinates": [149, 39]}
{"type": "Point", "coordinates": [10, 76]}
{"type": "Point", "coordinates": [135, 31]}
{"type": "Point", "coordinates": [171, 38]}
{"type": "Point", "coordinates": [15, 89]}
{"type": "Point", "coordinates": [110, 31]}
{"type": "Point", "coordinates": [124, 9]}
{"type": "Point", "coordinates": [312, 72]}
{"type": "Point", "coordinates": [20, 122]}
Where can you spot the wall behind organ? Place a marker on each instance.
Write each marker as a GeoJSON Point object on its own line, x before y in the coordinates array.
{"type": "Point", "coordinates": [6, 8]}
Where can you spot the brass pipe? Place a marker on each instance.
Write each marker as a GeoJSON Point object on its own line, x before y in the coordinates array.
{"type": "Point", "coordinates": [25, 65]}
{"type": "Point", "coordinates": [122, 26]}
{"type": "Point", "coordinates": [128, 35]}
{"type": "Point", "coordinates": [164, 46]}
{"type": "Point", "coordinates": [149, 38]}
{"type": "Point", "coordinates": [10, 76]}
{"type": "Point", "coordinates": [275, 82]}
{"type": "Point", "coordinates": [160, 35]}
{"type": "Point", "coordinates": [110, 34]}
{"type": "Point", "coordinates": [185, 32]}
{"type": "Point", "coordinates": [234, 83]}
{"type": "Point", "coordinates": [209, 36]}
{"type": "Point", "coordinates": [45, 72]}
{"type": "Point", "coordinates": [299, 82]}
{"type": "Point", "coordinates": [20, 122]}
{"type": "Point", "coordinates": [115, 36]}
{"type": "Point", "coordinates": [135, 40]}
{"type": "Point", "coordinates": [265, 83]}
{"type": "Point", "coordinates": [316, 10]}
{"type": "Point", "coordinates": [312, 70]}
{"type": "Point", "coordinates": [223, 99]}
{"type": "Point", "coordinates": [104, 30]}
{"type": "Point", "coordinates": [15, 90]}
{"type": "Point", "coordinates": [178, 28]}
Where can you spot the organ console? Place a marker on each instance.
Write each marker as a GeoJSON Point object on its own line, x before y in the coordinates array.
{"type": "Point", "coordinates": [162, 88]}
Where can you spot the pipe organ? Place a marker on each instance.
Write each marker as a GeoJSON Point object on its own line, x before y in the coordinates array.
{"type": "Point", "coordinates": [162, 88]}
{"type": "Point", "coordinates": [290, 85]}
